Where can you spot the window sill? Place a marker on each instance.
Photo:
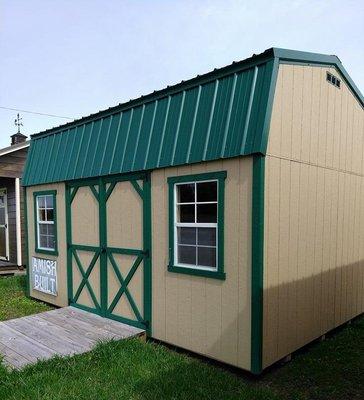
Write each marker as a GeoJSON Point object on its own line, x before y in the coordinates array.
{"type": "Point", "coordinates": [49, 252]}
{"type": "Point", "coordinates": [197, 272]}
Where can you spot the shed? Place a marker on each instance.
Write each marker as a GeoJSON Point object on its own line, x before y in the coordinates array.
{"type": "Point", "coordinates": [224, 214]}
{"type": "Point", "coordinates": [12, 243]}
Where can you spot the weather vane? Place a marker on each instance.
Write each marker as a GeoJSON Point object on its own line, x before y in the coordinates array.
{"type": "Point", "coordinates": [18, 123]}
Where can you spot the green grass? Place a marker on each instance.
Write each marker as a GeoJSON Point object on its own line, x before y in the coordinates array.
{"type": "Point", "coordinates": [13, 303]}
{"type": "Point", "coordinates": [131, 369]}
{"type": "Point", "coordinates": [127, 370]}
{"type": "Point", "coordinates": [332, 369]}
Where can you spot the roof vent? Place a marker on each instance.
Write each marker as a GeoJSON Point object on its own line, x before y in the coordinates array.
{"type": "Point", "coordinates": [333, 79]}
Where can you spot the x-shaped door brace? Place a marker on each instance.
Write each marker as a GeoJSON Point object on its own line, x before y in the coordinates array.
{"type": "Point", "coordinates": [85, 276]}
{"type": "Point", "coordinates": [124, 285]}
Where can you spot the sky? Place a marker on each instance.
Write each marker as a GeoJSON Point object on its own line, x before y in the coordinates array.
{"type": "Point", "coordinates": [71, 58]}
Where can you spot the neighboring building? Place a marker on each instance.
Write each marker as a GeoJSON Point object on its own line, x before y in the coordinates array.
{"type": "Point", "coordinates": [224, 214]}
{"type": "Point", "coordinates": [12, 241]}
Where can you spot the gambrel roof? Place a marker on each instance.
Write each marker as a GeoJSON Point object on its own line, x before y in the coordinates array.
{"type": "Point", "coordinates": [221, 114]}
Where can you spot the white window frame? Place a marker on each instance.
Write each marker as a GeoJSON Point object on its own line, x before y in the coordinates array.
{"type": "Point", "coordinates": [196, 225]}
{"type": "Point", "coordinates": [45, 222]}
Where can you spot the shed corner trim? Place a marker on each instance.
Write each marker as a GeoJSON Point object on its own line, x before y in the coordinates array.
{"type": "Point", "coordinates": [257, 263]}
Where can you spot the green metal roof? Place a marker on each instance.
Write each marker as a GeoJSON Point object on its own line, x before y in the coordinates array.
{"type": "Point", "coordinates": [222, 114]}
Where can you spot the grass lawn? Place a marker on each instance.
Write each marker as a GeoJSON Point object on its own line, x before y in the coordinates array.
{"type": "Point", "coordinates": [134, 370]}
{"type": "Point", "coordinates": [13, 303]}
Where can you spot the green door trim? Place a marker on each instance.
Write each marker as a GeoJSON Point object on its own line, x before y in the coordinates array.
{"type": "Point", "coordinates": [102, 193]}
{"type": "Point", "coordinates": [103, 244]}
{"type": "Point", "coordinates": [71, 191]}
{"type": "Point", "coordinates": [142, 255]}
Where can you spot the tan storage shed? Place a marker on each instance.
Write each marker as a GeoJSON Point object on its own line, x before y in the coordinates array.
{"type": "Point", "coordinates": [223, 215]}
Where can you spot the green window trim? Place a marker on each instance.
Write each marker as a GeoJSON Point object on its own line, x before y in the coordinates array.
{"type": "Point", "coordinates": [220, 177]}
{"type": "Point", "coordinates": [37, 248]}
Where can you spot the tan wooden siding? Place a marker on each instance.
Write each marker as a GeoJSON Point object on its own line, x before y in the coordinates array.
{"type": "Point", "coordinates": [85, 218]}
{"type": "Point", "coordinates": [204, 315]}
{"type": "Point", "coordinates": [314, 211]}
{"type": "Point", "coordinates": [315, 122]}
{"type": "Point", "coordinates": [60, 300]}
{"type": "Point", "coordinates": [124, 212]}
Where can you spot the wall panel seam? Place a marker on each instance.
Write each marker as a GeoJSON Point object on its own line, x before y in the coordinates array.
{"type": "Point", "coordinates": [314, 164]}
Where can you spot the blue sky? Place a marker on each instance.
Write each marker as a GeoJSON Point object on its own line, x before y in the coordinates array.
{"type": "Point", "coordinates": [75, 57]}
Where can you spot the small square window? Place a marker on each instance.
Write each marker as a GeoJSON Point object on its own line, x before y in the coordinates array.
{"type": "Point", "coordinates": [207, 191]}
{"type": "Point", "coordinates": [207, 257]}
{"type": "Point", "coordinates": [49, 201]}
{"type": "Point", "coordinates": [206, 236]}
{"type": "Point", "coordinates": [41, 201]}
{"type": "Point", "coordinates": [186, 235]}
{"type": "Point", "coordinates": [42, 214]}
{"type": "Point", "coordinates": [187, 255]}
{"type": "Point", "coordinates": [207, 213]}
{"type": "Point", "coordinates": [186, 193]}
{"type": "Point", "coordinates": [186, 213]}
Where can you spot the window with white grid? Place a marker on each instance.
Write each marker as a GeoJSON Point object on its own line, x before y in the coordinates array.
{"type": "Point", "coordinates": [46, 237]}
{"type": "Point", "coordinates": [196, 224]}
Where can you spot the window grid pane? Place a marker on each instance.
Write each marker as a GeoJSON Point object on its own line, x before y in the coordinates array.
{"type": "Point", "coordinates": [45, 212]}
{"type": "Point", "coordinates": [45, 208]}
{"type": "Point", "coordinates": [205, 212]}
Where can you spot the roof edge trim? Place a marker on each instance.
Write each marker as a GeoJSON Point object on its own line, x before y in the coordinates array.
{"type": "Point", "coordinates": [14, 148]}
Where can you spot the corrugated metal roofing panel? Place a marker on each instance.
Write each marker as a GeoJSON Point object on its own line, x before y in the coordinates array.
{"type": "Point", "coordinates": [222, 114]}
{"type": "Point", "coordinates": [210, 121]}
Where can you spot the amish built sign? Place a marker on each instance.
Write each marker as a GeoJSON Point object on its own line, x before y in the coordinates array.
{"type": "Point", "coordinates": [44, 275]}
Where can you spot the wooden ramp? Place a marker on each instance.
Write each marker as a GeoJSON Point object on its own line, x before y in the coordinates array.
{"type": "Point", "coordinates": [64, 331]}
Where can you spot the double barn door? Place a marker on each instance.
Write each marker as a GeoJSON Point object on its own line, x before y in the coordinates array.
{"type": "Point", "coordinates": [108, 238]}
